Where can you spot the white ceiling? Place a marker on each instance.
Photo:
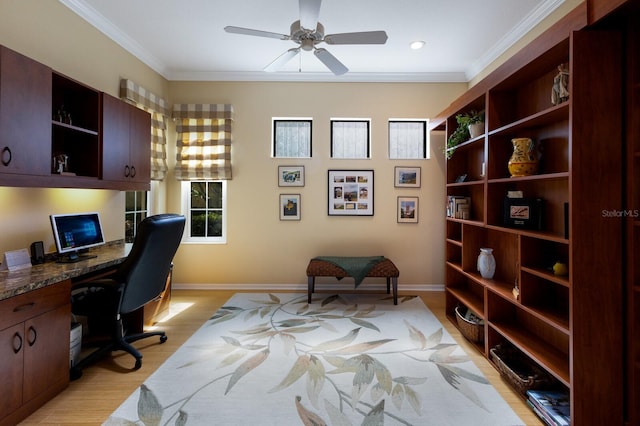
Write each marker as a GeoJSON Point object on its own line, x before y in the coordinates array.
{"type": "Point", "coordinates": [185, 39]}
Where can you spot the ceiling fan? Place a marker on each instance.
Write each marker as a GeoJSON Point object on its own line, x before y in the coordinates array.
{"type": "Point", "coordinates": [307, 33]}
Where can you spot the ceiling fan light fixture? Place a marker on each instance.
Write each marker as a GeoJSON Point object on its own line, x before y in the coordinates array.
{"type": "Point", "coordinates": [307, 32]}
{"type": "Point", "coordinates": [418, 44]}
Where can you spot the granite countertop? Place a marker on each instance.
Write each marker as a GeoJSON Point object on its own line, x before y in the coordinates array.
{"type": "Point", "coordinates": [38, 276]}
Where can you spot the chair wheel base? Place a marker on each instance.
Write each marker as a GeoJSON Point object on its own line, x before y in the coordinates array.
{"type": "Point", "coordinates": [138, 364]}
{"type": "Point", "coordinates": [163, 338]}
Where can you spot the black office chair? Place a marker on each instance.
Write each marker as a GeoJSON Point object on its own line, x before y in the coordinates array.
{"type": "Point", "coordinates": [139, 279]}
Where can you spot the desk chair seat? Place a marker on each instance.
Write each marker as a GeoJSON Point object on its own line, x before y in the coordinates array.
{"type": "Point", "coordinates": [138, 280]}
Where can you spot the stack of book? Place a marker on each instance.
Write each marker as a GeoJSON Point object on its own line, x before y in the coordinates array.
{"type": "Point", "coordinates": [552, 407]}
{"type": "Point", "coordinates": [458, 207]}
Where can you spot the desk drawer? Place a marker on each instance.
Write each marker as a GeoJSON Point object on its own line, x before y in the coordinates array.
{"type": "Point", "coordinates": [20, 308]}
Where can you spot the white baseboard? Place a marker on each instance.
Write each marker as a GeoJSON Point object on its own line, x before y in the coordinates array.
{"type": "Point", "coordinates": [302, 287]}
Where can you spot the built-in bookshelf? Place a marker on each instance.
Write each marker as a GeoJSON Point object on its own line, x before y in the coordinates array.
{"type": "Point", "coordinates": [551, 316]}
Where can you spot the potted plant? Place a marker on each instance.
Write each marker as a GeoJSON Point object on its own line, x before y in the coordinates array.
{"type": "Point", "coordinates": [470, 125]}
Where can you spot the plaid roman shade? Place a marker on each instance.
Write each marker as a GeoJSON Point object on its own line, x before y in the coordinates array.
{"type": "Point", "coordinates": [204, 141]}
{"type": "Point", "coordinates": [158, 108]}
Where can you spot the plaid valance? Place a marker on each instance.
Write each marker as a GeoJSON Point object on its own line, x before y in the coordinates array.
{"type": "Point", "coordinates": [158, 108]}
{"type": "Point", "coordinates": [204, 141]}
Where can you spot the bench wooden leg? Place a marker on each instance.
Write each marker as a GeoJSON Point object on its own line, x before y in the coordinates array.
{"type": "Point", "coordinates": [311, 281]}
{"type": "Point", "coordinates": [388, 285]}
{"type": "Point", "coordinates": [394, 280]}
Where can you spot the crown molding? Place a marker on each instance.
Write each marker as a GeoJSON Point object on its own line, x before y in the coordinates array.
{"type": "Point", "coordinates": [539, 14]}
{"type": "Point", "coordinates": [105, 26]}
{"type": "Point", "coordinates": [350, 77]}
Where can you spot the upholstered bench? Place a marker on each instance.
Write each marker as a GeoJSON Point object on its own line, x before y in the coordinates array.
{"type": "Point", "coordinates": [375, 267]}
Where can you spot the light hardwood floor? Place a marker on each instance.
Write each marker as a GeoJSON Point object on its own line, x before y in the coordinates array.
{"type": "Point", "coordinates": [105, 385]}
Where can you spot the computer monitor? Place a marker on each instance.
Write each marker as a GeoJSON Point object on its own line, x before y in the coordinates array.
{"type": "Point", "coordinates": [75, 233]}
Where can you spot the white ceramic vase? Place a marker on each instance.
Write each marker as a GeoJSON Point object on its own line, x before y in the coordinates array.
{"type": "Point", "coordinates": [486, 263]}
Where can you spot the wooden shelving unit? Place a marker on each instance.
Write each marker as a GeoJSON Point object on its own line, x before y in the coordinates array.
{"type": "Point", "coordinates": [568, 325]}
{"type": "Point", "coordinates": [75, 112]}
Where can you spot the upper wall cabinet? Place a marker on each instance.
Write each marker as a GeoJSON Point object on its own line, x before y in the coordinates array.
{"type": "Point", "coordinates": [75, 144]}
{"type": "Point", "coordinates": [125, 142]}
{"type": "Point", "coordinates": [56, 132]}
{"type": "Point", "coordinates": [25, 121]}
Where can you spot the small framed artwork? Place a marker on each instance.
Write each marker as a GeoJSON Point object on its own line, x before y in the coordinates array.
{"type": "Point", "coordinates": [350, 193]}
{"type": "Point", "coordinates": [407, 177]}
{"type": "Point", "coordinates": [289, 206]}
{"type": "Point", "coordinates": [523, 213]}
{"type": "Point", "coordinates": [407, 209]}
{"type": "Point", "coordinates": [290, 175]}
{"type": "Point", "coordinates": [461, 178]}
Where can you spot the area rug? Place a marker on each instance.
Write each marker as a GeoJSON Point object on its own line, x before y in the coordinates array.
{"type": "Point", "coordinates": [356, 359]}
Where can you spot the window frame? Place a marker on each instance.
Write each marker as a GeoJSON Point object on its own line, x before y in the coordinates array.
{"type": "Point", "coordinates": [351, 120]}
{"type": "Point", "coordinates": [274, 144]}
{"type": "Point", "coordinates": [426, 141]}
{"type": "Point", "coordinates": [146, 211]}
{"type": "Point", "coordinates": [185, 192]}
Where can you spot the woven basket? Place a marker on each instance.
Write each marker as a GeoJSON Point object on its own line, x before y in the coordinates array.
{"type": "Point", "coordinates": [520, 372]}
{"type": "Point", "coordinates": [472, 330]}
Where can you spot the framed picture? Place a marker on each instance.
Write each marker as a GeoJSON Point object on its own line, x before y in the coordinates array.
{"type": "Point", "coordinates": [523, 213]}
{"type": "Point", "coordinates": [407, 177]}
{"type": "Point", "coordinates": [407, 209]}
{"type": "Point", "coordinates": [290, 175]}
{"type": "Point", "coordinates": [289, 206]}
{"type": "Point", "coordinates": [350, 193]}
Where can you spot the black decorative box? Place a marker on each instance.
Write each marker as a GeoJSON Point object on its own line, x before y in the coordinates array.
{"type": "Point", "coordinates": [525, 213]}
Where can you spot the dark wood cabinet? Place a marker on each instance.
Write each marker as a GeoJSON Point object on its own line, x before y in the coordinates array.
{"type": "Point", "coordinates": [34, 350]}
{"type": "Point", "coordinates": [75, 143]}
{"type": "Point", "coordinates": [56, 132]}
{"type": "Point", "coordinates": [25, 116]}
{"type": "Point", "coordinates": [140, 145]}
{"type": "Point", "coordinates": [569, 325]}
{"type": "Point", "coordinates": [126, 142]}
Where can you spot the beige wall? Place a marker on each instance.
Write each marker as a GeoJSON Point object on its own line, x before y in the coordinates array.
{"type": "Point", "coordinates": [261, 249]}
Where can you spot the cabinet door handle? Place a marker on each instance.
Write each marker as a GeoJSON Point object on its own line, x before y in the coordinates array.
{"type": "Point", "coordinates": [6, 152]}
{"type": "Point", "coordinates": [133, 171]}
{"type": "Point", "coordinates": [24, 307]}
{"type": "Point", "coordinates": [126, 171]}
{"type": "Point", "coordinates": [17, 343]}
{"type": "Point", "coordinates": [33, 336]}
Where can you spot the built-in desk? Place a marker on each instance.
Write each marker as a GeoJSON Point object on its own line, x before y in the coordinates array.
{"type": "Point", "coordinates": [35, 322]}
{"type": "Point", "coordinates": [40, 276]}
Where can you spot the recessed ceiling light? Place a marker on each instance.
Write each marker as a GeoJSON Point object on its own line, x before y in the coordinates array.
{"type": "Point", "coordinates": [415, 45]}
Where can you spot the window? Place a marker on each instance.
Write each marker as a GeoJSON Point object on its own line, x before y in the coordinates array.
{"type": "Point", "coordinates": [291, 138]}
{"type": "Point", "coordinates": [205, 206]}
{"type": "Point", "coordinates": [408, 139]}
{"type": "Point", "coordinates": [136, 208]}
{"type": "Point", "coordinates": [350, 138]}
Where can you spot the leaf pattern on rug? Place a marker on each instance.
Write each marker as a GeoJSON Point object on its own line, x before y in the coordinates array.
{"type": "Point", "coordinates": [288, 326]}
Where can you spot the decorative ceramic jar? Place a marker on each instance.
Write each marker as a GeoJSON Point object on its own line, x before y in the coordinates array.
{"type": "Point", "coordinates": [525, 158]}
{"type": "Point", "coordinates": [486, 263]}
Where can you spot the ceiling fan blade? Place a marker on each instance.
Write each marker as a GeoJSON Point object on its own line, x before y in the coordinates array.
{"type": "Point", "coordinates": [366, 37]}
{"type": "Point", "coordinates": [281, 60]}
{"type": "Point", "coordinates": [258, 33]}
{"type": "Point", "coordinates": [309, 13]}
{"type": "Point", "coordinates": [330, 61]}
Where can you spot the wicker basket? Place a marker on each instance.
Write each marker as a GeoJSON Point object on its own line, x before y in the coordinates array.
{"type": "Point", "coordinates": [472, 330]}
{"type": "Point", "coordinates": [522, 373]}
